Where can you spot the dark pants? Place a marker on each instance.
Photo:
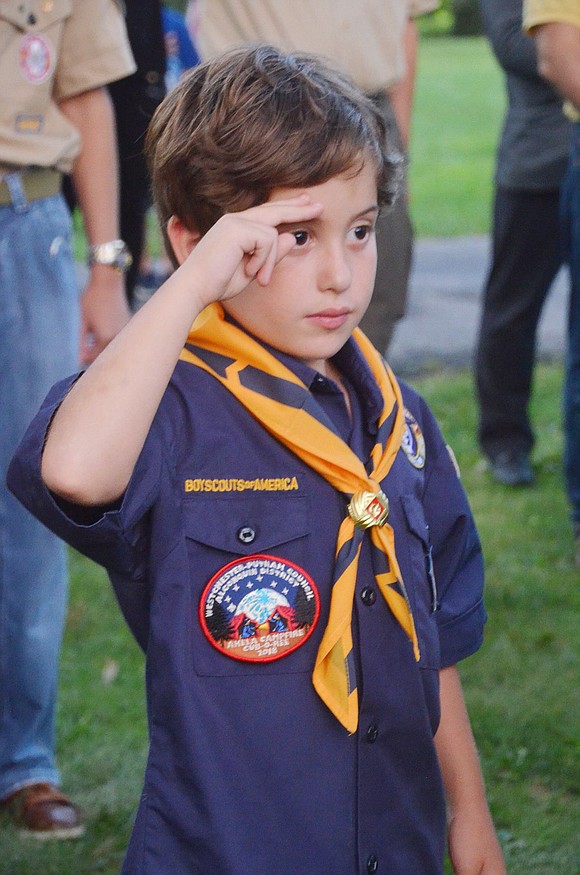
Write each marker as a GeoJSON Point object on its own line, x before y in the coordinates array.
{"type": "Point", "coordinates": [526, 256]}
{"type": "Point", "coordinates": [135, 101]}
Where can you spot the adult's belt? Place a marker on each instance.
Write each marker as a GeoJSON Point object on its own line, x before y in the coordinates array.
{"type": "Point", "coordinates": [38, 183]}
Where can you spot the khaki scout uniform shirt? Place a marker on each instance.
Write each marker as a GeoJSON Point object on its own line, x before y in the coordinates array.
{"type": "Point", "coordinates": [364, 36]}
{"type": "Point", "coordinates": [51, 50]}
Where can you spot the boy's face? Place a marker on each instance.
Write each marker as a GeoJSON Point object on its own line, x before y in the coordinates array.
{"type": "Point", "coordinates": [319, 292]}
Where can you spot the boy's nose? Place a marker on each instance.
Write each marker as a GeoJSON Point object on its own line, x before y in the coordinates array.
{"type": "Point", "coordinates": [334, 273]}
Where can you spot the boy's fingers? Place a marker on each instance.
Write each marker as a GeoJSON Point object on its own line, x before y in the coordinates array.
{"type": "Point", "coordinates": [262, 259]}
{"type": "Point", "coordinates": [264, 274]}
{"type": "Point", "coordinates": [286, 243]}
{"type": "Point", "coordinates": [270, 257]}
{"type": "Point", "coordinates": [275, 213]}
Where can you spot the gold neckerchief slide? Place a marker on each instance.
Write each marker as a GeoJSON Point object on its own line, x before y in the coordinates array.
{"type": "Point", "coordinates": [286, 409]}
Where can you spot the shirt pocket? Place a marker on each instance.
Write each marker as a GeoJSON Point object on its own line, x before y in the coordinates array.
{"type": "Point", "coordinates": [420, 583]}
{"type": "Point", "coordinates": [240, 533]}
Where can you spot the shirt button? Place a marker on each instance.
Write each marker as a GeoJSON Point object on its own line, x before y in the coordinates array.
{"type": "Point", "coordinates": [368, 596]}
{"type": "Point", "coordinates": [246, 534]}
{"type": "Point", "coordinates": [372, 863]}
{"type": "Point", "coordinates": [372, 733]}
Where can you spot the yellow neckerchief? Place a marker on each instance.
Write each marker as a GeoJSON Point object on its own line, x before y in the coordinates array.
{"type": "Point", "coordinates": [283, 405]}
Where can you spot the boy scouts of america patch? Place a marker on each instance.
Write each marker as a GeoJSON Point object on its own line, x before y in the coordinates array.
{"type": "Point", "coordinates": [259, 608]}
{"type": "Point", "coordinates": [413, 442]}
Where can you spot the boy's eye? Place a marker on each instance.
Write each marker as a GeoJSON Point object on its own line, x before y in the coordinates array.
{"type": "Point", "coordinates": [361, 232]}
{"type": "Point", "coordinates": [301, 237]}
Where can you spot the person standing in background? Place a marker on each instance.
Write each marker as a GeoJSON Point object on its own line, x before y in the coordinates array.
{"type": "Point", "coordinates": [135, 99]}
{"type": "Point", "coordinates": [555, 26]}
{"type": "Point", "coordinates": [526, 251]}
{"type": "Point", "coordinates": [375, 41]}
{"type": "Point", "coordinates": [180, 52]}
{"type": "Point", "coordinates": [55, 116]}
{"type": "Point", "coordinates": [154, 265]}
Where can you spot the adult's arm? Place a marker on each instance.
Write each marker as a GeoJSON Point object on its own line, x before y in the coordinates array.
{"type": "Point", "coordinates": [558, 45]}
{"type": "Point", "coordinates": [401, 94]}
{"type": "Point", "coordinates": [104, 309]}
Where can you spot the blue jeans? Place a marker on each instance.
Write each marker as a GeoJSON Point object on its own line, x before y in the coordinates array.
{"type": "Point", "coordinates": [39, 329]}
{"type": "Point", "coordinates": [571, 225]}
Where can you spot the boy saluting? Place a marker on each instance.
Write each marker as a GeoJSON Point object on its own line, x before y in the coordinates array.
{"type": "Point", "coordinates": [282, 520]}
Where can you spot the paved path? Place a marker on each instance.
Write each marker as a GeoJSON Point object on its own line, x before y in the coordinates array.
{"type": "Point", "coordinates": [440, 327]}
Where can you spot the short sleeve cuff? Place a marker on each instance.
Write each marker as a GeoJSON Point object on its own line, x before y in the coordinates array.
{"type": "Point", "coordinates": [462, 636]}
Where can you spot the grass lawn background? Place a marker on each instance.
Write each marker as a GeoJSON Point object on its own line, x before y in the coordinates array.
{"type": "Point", "coordinates": [459, 103]}
{"type": "Point", "coordinates": [520, 687]}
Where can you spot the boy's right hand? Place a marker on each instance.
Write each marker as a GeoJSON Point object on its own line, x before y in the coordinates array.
{"type": "Point", "coordinates": [243, 247]}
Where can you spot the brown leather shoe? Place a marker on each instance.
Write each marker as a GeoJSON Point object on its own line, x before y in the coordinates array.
{"type": "Point", "coordinates": [43, 812]}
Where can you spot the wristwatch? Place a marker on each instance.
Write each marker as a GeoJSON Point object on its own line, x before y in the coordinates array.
{"type": "Point", "coordinates": [114, 253]}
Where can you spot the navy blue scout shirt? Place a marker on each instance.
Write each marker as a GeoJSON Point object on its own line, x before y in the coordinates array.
{"type": "Point", "coordinates": [248, 771]}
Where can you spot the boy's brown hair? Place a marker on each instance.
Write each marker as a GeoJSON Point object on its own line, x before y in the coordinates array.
{"type": "Point", "coordinates": [255, 119]}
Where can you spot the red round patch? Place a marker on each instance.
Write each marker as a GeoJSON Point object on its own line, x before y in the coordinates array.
{"type": "Point", "coordinates": [35, 57]}
{"type": "Point", "coordinates": [259, 608]}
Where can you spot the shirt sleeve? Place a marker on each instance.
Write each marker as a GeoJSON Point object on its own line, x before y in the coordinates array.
{"type": "Point", "coordinates": [545, 11]}
{"type": "Point", "coordinates": [458, 573]}
{"type": "Point", "coordinates": [95, 49]}
{"type": "Point", "coordinates": [115, 537]}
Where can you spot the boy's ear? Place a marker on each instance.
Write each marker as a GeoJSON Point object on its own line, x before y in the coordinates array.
{"type": "Point", "coordinates": [182, 239]}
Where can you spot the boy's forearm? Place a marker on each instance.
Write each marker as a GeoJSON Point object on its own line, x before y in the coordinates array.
{"type": "Point", "coordinates": [455, 745]}
{"type": "Point", "coordinates": [99, 430]}
{"type": "Point", "coordinates": [473, 844]}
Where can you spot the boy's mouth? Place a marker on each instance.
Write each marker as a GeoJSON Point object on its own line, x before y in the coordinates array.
{"type": "Point", "coordinates": [332, 317]}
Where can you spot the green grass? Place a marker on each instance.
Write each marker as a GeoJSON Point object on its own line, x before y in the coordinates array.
{"type": "Point", "coordinates": [520, 687]}
{"type": "Point", "coordinates": [458, 112]}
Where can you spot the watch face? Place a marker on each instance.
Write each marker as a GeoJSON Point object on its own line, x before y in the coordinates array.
{"type": "Point", "coordinates": [113, 254]}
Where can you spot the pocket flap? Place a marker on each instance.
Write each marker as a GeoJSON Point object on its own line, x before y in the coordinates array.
{"type": "Point", "coordinates": [248, 524]}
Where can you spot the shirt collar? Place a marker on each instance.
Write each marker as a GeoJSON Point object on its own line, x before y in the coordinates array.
{"type": "Point", "coordinates": [349, 361]}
